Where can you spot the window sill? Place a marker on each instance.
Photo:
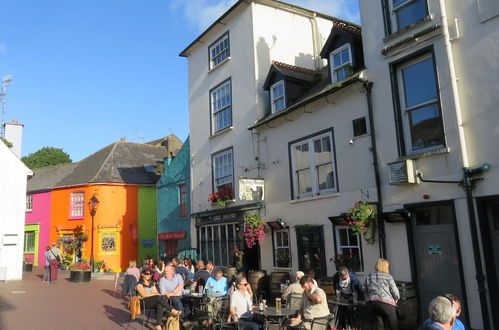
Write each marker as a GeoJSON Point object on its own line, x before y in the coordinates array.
{"type": "Point", "coordinates": [76, 218]}
{"type": "Point", "coordinates": [283, 269]}
{"type": "Point", "coordinates": [426, 153]}
{"type": "Point", "coordinates": [398, 33]}
{"type": "Point", "coordinates": [313, 198]}
{"type": "Point", "coordinates": [219, 65]}
{"type": "Point", "coordinates": [222, 131]}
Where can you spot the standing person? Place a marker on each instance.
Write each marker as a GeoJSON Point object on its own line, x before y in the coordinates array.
{"type": "Point", "coordinates": [442, 315]}
{"type": "Point", "coordinates": [239, 260]}
{"type": "Point", "coordinates": [382, 295]}
{"type": "Point", "coordinates": [55, 258]}
{"type": "Point", "coordinates": [313, 304]}
{"type": "Point", "coordinates": [241, 305]}
{"type": "Point", "coordinates": [347, 285]}
{"type": "Point", "coordinates": [46, 274]}
{"type": "Point", "coordinates": [152, 299]}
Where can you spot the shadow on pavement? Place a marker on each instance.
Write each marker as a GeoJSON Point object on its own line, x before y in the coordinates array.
{"type": "Point", "coordinates": [4, 307]}
{"type": "Point", "coordinates": [117, 315]}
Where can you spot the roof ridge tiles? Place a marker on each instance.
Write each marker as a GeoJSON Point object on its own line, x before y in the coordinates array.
{"type": "Point", "coordinates": [293, 67]}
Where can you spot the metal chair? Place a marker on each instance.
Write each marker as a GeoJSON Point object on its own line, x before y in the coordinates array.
{"type": "Point", "coordinates": [293, 301]}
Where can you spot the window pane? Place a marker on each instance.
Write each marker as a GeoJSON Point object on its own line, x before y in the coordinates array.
{"type": "Point", "coordinates": [345, 56]}
{"type": "Point", "coordinates": [397, 3]}
{"type": "Point", "coordinates": [426, 128]}
{"type": "Point", "coordinates": [343, 236]}
{"type": "Point", "coordinates": [325, 176]}
{"type": "Point", "coordinates": [411, 13]}
{"type": "Point", "coordinates": [279, 104]}
{"type": "Point", "coordinates": [301, 156]}
{"type": "Point", "coordinates": [304, 181]}
{"type": "Point", "coordinates": [278, 91]}
{"type": "Point", "coordinates": [322, 150]}
{"type": "Point", "coordinates": [285, 238]}
{"type": "Point", "coordinates": [419, 83]}
{"type": "Point", "coordinates": [337, 59]}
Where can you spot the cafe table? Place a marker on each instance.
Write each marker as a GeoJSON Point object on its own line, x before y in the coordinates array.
{"type": "Point", "coordinates": [272, 315]}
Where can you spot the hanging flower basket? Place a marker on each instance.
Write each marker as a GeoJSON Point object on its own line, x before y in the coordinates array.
{"type": "Point", "coordinates": [362, 220]}
{"type": "Point", "coordinates": [254, 230]}
{"type": "Point", "coordinates": [221, 197]}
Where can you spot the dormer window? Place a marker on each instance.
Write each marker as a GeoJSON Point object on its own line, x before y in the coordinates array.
{"type": "Point", "coordinates": [277, 96]}
{"type": "Point", "coordinates": [219, 51]}
{"type": "Point", "coordinates": [340, 61]}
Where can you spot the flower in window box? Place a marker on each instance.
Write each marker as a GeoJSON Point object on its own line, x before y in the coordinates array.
{"type": "Point", "coordinates": [254, 230]}
{"type": "Point", "coordinates": [221, 197]}
{"type": "Point", "coordinates": [27, 260]}
{"type": "Point", "coordinates": [362, 220]}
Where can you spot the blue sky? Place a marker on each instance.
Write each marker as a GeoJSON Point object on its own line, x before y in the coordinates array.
{"type": "Point", "coordinates": [88, 72]}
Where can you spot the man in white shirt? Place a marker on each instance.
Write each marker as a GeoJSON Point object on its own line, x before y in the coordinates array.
{"type": "Point", "coordinates": [313, 305]}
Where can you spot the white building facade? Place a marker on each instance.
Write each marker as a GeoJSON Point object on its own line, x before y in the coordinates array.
{"type": "Point", "coordinates": [228, 65]}
{"type": "Point", "coordinates": [13, 175]}
{"type": "Point", "coordinates": [433, 66]}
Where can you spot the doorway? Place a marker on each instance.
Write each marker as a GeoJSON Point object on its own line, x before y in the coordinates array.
{"type": "Point", "coordinates": [311, 250]}
{"type": "Point", "coordinates": [436, 254]}
{"type": "Point", "coordinates": [488, 212]}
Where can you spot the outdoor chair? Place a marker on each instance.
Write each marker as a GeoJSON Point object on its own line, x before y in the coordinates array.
{"type": "Point", "coordinates": [293, 301]}
{"type": "Point", "coordinates": [118, 280]}
{"type": "Point", "coordinates": [129, 284]}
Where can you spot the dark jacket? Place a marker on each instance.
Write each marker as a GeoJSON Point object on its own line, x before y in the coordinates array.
{"type": "Point", "coordinates": [354, 282]}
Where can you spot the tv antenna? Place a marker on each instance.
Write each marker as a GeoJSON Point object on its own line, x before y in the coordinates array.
{"type": "Point", "coordinates": [3, 98]}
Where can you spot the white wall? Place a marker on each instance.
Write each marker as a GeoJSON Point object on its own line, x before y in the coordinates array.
{"type": "Point", "coordinates": [13, 176]}
{"type": "Point", "coordinates": [353, 164]}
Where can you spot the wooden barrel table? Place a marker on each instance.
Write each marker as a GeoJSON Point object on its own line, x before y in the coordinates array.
{"type": "Point", "coordinates": [258, 282]}
{"type": "Point", "coordinates": [276, 279]}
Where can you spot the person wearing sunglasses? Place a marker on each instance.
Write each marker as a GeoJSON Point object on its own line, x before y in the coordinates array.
{"type": "Point", "coordinates": [241, 305]}
{"type": "Point", "coordinates": [152, 299]}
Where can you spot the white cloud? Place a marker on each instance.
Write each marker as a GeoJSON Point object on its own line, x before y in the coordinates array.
{"type": "Point", "coordinates": [202, 13]}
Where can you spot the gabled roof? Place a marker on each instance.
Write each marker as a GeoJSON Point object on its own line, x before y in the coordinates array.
{"type": "Point", "coordinates": [119, 162]}
{"type": "Point", "coordinates": [289, 71]}
{"type": "Point", "coordinates": [272, 3]}
{"type": "Point", "coordinates": [339, 31]}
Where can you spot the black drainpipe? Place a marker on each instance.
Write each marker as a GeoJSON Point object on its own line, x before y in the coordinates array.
{"type": "Point", "coordinates": [379, 209]}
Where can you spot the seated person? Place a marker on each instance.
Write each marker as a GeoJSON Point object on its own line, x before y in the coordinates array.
{"type": "Point", "coordinates": [241, 305]}
{"type": "Point", "coordinates": [201, 275]}
{"type": "Point", "coordinates": [313, 305]}
{"type": "Point", "coordinates": [217, 286]}
{"type": "Point", "coordinates": [294, 289]}
{"type": "Point", "coordinates": [170, 286]}
{"type": "Point", "coordinates": [442, 315]}
{"type": "Point", "coordinates": [456, 303]}
{"type": "Point", "coordinates": [232, 285]}
{"type": "Point", "coordinates": [149, 294]}
{"type": "Point", "coordinates": [346, 284]}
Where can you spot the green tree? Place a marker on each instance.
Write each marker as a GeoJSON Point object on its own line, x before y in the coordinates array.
{"type": "Point", "coordinates": [46, 156]}
{"type": "Point", "coordinates": [7, 143]}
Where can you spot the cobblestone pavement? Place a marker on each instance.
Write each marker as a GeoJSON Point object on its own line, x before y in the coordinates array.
{"type": "Point", "coordinates": [31, 304]}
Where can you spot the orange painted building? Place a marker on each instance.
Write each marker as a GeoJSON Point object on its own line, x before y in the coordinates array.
{"type": "Point", "coordinates": [115, 221]}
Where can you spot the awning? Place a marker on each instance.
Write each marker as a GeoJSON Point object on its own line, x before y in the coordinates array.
{"type": "Point", "coordinates": [171, 235]}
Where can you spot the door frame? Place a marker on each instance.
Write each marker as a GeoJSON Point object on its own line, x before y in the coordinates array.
{"type": "Point", "coordinates": [486, 245]}
{"type": "Point", "coordinates": [307, 228]}
{"type": "Point", "coordinates": [412, 254]}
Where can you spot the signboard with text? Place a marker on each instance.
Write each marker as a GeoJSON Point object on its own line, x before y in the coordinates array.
{"type": "Point", "coordinates": [251, 189]}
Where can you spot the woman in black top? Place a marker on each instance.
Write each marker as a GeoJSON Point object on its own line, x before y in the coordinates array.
{"type": "Point", "coordinates": [151, 297]}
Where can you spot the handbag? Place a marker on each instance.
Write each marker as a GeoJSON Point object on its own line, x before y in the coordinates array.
{"type": "Point", "coordinates": [56, 256]}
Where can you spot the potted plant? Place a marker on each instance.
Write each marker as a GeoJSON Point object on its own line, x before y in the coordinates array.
{"type": "Point", "coordinates": [254, 229]}
{"type": "Point", "coordinates": [27, 264]}
{"type": "Point", "coordinates": [362, 220]}
{"type": "Point", "coordinates": [80, 272]}
{"type": "Point", "coordinates": [98, 265]}
{"type": "Point", "coordinates": [66, 262]}
{"type": "Point", "coordinates": [221, 197]}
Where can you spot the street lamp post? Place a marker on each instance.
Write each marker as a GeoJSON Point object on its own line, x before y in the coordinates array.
{"type": "Point", "coordinates": [93, 204]}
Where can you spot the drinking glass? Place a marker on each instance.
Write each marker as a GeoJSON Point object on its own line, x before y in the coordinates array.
{"type": "Point", "coordinates": [277, 303]}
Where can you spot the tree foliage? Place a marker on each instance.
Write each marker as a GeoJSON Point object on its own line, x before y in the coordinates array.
{"type": "Point", "coordinates": [46, 156]}
{"type": "Point", "coordinates": [7, 143]}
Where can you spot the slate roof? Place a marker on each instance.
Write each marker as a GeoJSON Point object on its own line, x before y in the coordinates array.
{"type": "Point", "coordinates": [289, 71]}
{"type": "Point", "coordinates": [119, 162]}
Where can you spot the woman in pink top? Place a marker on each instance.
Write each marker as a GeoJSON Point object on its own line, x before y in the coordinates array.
{"type": "Point", "coordinates": [133, 270]}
